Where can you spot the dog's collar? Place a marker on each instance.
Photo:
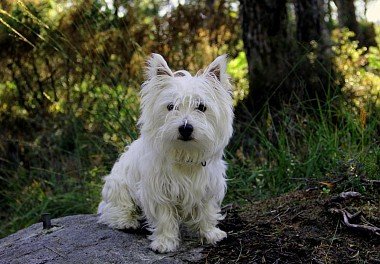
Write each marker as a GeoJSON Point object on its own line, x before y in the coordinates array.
{"type": "Point", "coordinates": [203, 163]}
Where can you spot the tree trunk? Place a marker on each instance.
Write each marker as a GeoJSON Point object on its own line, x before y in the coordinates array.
{"type": "Point", "coordinates": [308, 20]}
{"type": "Point", "coordinates": [347, 15]}
{"type": "Point", "coordinates": [265, 38]}
{"type": "Point", "coordinates": [284, 68]}
{"type": "Point", "coordinates": [314, 49]}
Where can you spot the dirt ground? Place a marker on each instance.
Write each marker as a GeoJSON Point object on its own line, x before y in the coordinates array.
{"type": "Point", "coordinates": [305, 226]}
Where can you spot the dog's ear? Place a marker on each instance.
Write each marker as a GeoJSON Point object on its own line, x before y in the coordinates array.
{"type": "Point", "coordinates": [157, 66]}
{"type": "Point", "coordinates": [217, 69]}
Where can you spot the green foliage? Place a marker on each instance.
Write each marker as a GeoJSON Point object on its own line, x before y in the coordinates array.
{"type": "Point", "coordinates": [358, 67]}
{"type": "Point", "coordinates": [29, 195]}
{"type": "Point", "coordinates": [238, 69]}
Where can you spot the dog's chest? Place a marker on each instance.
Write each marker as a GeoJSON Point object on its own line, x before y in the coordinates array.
{"type": "Point", "coordinates": [187, 185]}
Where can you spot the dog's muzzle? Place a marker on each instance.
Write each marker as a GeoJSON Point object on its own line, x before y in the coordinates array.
{"type": "Point", "coordinates": [185, 131]}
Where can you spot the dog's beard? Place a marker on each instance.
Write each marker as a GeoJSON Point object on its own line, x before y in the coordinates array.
{"type": "Point", "coordinates": [188, 157]}
{"type": "Point", "coordinates": [184, 153]}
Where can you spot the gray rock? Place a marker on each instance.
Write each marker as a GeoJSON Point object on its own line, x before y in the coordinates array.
{"type": "Point", "coordinates": [80, 239]}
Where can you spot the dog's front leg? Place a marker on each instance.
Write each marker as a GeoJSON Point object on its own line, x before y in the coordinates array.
{"type": "Point", "coordinates": [163, 221]}
{"type": "Point", "coordinates": [207, 217]}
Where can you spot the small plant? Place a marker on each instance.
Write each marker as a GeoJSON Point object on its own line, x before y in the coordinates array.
{"type": "Point", "coordinates": [326, 190]}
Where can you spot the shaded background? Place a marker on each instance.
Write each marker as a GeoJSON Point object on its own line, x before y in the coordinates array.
{"type": "Point", "coordinates": [305, 72]}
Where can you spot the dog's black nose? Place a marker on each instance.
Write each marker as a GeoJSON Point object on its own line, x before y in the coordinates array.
{"type": "Point", "coordinates": [185, 130]}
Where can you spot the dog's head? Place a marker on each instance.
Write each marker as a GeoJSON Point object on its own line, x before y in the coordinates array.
{"type": "Point", "coordinates": [188, 118]}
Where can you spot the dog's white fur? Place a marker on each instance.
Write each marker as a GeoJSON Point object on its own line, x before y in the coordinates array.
{"type": "Point", "coordinates": [163, 178]}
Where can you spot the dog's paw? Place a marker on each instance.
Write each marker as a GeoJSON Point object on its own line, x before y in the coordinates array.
{"type": "Point", "coordinates": [119, 223]}
{"type": "Point", "coordinates": [214, 235]}
{"type": "Point", "coordinates": [163, 244]}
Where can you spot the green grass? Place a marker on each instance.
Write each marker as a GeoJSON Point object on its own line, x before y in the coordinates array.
{"type": "Point", "coordinates": [54, 180]}
{"type": "Point", "coordinates": [304, 147]}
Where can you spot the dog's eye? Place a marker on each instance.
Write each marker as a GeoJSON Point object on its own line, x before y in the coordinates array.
{"type": "Point", "coordinates": [201, 107]}
{"type": "Point", "coordinates": [170, 107]}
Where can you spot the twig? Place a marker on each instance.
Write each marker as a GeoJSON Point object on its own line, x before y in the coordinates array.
{"type": "Point", "coordinates": [346, 220]}
{"type": "Point", "coordinates": [371, 182]}
{"type": "Point", "coordinates": [280, 214]}
{"type": "Point", "coordinates": [229, 207]}
{"type": "Point", "coordinates": [345, 196]}
{"type": "Point", "coordinates": [241, 249]}
{"type": "Point", "coordinates": [296, 215]}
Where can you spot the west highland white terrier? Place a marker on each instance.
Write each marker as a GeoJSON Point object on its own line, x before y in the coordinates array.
{"type": "Point", "coordinates": [174, 172]}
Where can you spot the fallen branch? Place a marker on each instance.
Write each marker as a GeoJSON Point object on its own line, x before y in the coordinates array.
{"type": "Point", "coordinates": [362, 228]}
{"type": "Point", "coordinates": [345, 196]}
{"type": "Point", "coordinates": [371, 182]}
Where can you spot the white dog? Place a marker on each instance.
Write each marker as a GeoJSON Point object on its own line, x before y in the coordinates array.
{"type": "Point", "coordinates": [174, 172]}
